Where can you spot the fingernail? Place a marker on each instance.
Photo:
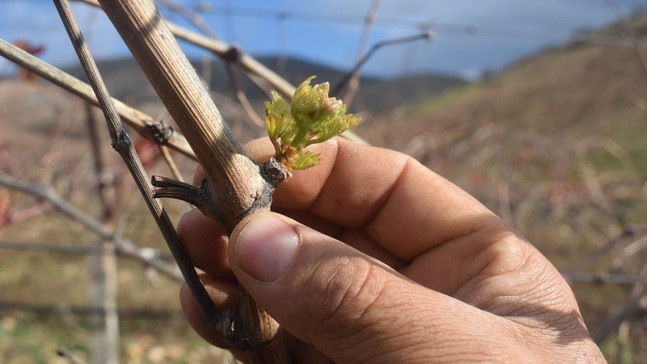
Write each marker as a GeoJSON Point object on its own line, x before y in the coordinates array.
{"type": "Point", "coordinates": [266, 247]}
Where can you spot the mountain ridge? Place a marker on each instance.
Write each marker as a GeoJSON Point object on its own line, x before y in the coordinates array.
{"type": "Point", "coordinates": [554, 145]}
{"type": "Point", "coordinates": [125, 80]}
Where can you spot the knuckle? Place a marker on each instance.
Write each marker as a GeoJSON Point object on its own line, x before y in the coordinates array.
{"type": "Point", "coordinates": [352, 296]}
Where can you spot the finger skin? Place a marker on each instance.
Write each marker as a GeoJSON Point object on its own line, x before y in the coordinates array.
{"type": "Point", "coordinates": [223, 293]}
{"type": "Point", "coordinates": [356, 309]}
{"type": "Point", "coordinates": [391, 207]}
{"type": "Point", "coordinates": [379, 202]}
{"type": "Point", "coordinates": [460, 274]}
{"type": "Point", "coordinates": [389, 194]}
{"type": "Point", "coordinates": [206, 243]}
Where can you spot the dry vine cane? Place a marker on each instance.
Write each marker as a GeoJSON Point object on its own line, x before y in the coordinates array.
{"type": "Point", "coordinates": [235, 186]}
{"type": "Point", "coordinates": [311, 118]}
{"type": "Point", "coordinates": [121, 142]}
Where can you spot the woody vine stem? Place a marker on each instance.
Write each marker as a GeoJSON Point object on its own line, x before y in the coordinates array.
{"type": "Point", "coordinates": [234, 186]}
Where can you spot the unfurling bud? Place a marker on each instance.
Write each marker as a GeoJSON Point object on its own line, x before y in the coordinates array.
{"type": "Point", "coordinates": [312, 118]}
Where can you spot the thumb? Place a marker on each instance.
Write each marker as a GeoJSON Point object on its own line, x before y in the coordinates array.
{"type": "Point", "coordinates": [348, 305]}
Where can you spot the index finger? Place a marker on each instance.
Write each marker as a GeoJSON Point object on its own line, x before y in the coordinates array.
{"type": "Point", "coordinates": [403, 206]}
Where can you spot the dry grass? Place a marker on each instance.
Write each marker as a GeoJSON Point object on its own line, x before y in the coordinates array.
{"type": "Point", "coordinates": [555, 145]}
{"type": "Point", "coordinates": [44, 141]}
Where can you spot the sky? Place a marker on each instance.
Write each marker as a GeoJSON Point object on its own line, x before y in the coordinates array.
{"type": "Point", "coordinates": [469, 37]}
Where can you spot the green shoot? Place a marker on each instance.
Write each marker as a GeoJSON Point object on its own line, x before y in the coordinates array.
{"type": "Point", "coordinates": [312, 118]}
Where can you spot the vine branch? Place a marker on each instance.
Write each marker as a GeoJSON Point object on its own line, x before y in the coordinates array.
{"type": "Point", "coordinates": [236, 184]}
{"type": "Point", "coordinates": [123, 246]}
{"type": "Point", "coordinates": [360, 62]}
{"type": "Point", "coordinates": [122, 144]}
{"type": "Point", "coordinates": [135, 118]}
{"type": "Point", "coordinates": [256, 71]}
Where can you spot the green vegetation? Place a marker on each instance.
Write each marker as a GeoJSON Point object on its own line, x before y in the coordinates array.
{"type": "Point", "coordinates": [312, 117]}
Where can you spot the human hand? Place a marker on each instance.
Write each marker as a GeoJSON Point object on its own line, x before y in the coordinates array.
{"type": "Point", "coordinates": [372, 257]}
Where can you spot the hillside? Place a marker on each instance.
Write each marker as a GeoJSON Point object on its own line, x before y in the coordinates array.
{"type": "Point", "coordinates": [126, 81]}
{"type": "Point", "coordinates": [556, 145]}
{"type": "Point", "coordinates": [571, 100]}
{"type": "Point", "coordinates": [551, 119]}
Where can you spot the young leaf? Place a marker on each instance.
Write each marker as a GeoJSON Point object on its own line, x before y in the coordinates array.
{"type": "Point", "coordinates": [312, 117]}
{"type": "Point", "coordinates": [305, 160]}
{"type": "Point", "coordinates": [279, 123]}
